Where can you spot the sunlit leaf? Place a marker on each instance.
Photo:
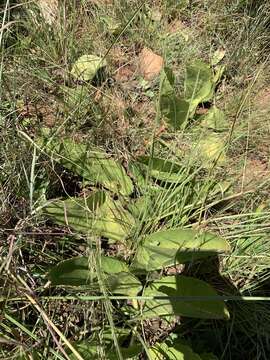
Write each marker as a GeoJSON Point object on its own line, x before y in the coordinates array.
{"type": "Point", "coordinates": [170, 247]}
{"type": "Point", "coordinates": [79, 271]}
{"type": "Point", "coordinates": [214, 119]}
{"type": "Point", "coordinates": [211, 149]}
{"type": "Point", "coordinates": [174, 286]}
{"type": "Point", "coordinates": [218, 56]}
{"type": "Point", "coordinates": [178, 351]}
{"type": "Point", "coordinates": [87, 66]}
{"type": "Point", "coordinates": [97, 214]}
{"type": "Point", "coordinates": [218, 73]}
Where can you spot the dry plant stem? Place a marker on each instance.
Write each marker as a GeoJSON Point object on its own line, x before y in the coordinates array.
{"type": "Point", "coordinates": [51, 326]}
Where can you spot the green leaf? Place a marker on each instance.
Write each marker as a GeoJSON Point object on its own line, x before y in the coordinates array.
{"type": "Point", "coordinates": [167, 80]}
{"type": "Point", "coordinates": [218, 56]}
{"type": "Point", "coordinates": [71, 272]}
{"type": "Point", "coordinates": [170, 247]}
{"type": "Point", "coordinates": [87, 66]}
{"type": "Point", "coordinates": [97, 352]}
{"type": "Point", "coordinates": [183, 286]}
{"type": "Point", "coordinates": [211, 149]}
{"type": "Point", "coordinates": [78, 272]}
{"type": "Point", "coordinates": [214, 119]}
{"type": "Point", "coordinates": [219, 71]}
{"type": "Point", "coordinates": [176, 352]}
{"type": "Point", "coordinates": [97, 214]}
{"type": "Point", "coordinates": [141, 206]}
{"type": "Point", "coordinates": [103, 347]}
{"type": "Point", "coordinates": [173, 108]}
{"type": "Point", "coordinates": [94, 166]}
{"type": "Point", "coordinates": [199, 84]}
{"type": "Point", "coordinates": [160, 169]}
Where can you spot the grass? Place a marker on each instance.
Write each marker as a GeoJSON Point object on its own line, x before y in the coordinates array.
{"type": "Point", "coordinates": [118, 116]}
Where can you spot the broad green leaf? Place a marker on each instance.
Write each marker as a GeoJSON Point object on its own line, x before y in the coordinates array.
{"type": "Point", "coordinates": [183, 286]}
{"type": "Point", "coordinates": [71, 272]}
{"type": "Point", "coordinates": [87, 66]}
{"type": "Point", "coordinates": [214, 119]}
{"type": "Point", "coordinates": [211, 149]}
{"type": "Point", "coordinates": [199, 84]}
{"type": "Point", "coordinates": [175, 110]}
{"type": "Point", "coordinates": [166, 85]}
{"type": "Point", "coordinates": [218, 56]}
{"type": "Point", "coordinates": [97, 352]}
{"type": "Point", "coordinates": [160, 169]}
{"type": "Point", "coordinates": [170, 247]}
{"type": "Point", "coordinates": [102, 346]}
{"type": "Point", "coordinates": [178, 351]}
{"type": "Point", "coordinates": [94, 166]}
{"type": "Point", "coordinates": [97, 214]}
{"type": "Point", "coordinates": [140, 206]}
{"type": "Point", "coordinates": [78, 272]}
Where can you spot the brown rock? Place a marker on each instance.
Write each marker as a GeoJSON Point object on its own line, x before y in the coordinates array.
{"type": "Point", "coordinates": [150, 64]}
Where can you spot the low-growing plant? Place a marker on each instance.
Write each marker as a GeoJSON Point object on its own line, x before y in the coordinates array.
{"type": "Point", "coordinates": [148, 209]}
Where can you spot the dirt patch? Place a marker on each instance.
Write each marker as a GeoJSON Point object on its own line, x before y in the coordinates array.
{"type": "Point", "coordinates": [263, 99]}
{"type": "Point", "coordinates": [254, 172]}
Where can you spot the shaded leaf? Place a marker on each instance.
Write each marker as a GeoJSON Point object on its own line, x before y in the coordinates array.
{"type": "Point", "coordinates": [214, 119]}
{"type": "Point", "coordinates": [175, 110]}
{"type": "Point", "coordinates": [104, 347]}
{"type": "Point", "coordinates": [167, 80]}
{"type": "Point", "coordinates": [161, 169]}
{"type": "Point", "coordinates": [97, 214]}
{"type": "Point", "coordinates": [172, 107]}
{"type": "Point", "coordinates": [86, 67]}
{"type": "Point", "coordinates": [170, 247]}
{"type": "Point", "coordinates": [78, 272]}
{"type": "Point", "coordinates": [199, 84]}
{"type": "Point", "coordinates": [94, 166]}
{"type": "Point", "coordinates": [183, 286]}
{"type": "Point", "coordinates": [141, 206]}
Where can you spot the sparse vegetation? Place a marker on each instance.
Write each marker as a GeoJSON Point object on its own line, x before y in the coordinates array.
{"type": "Point", "coordinates": [134, 183]}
